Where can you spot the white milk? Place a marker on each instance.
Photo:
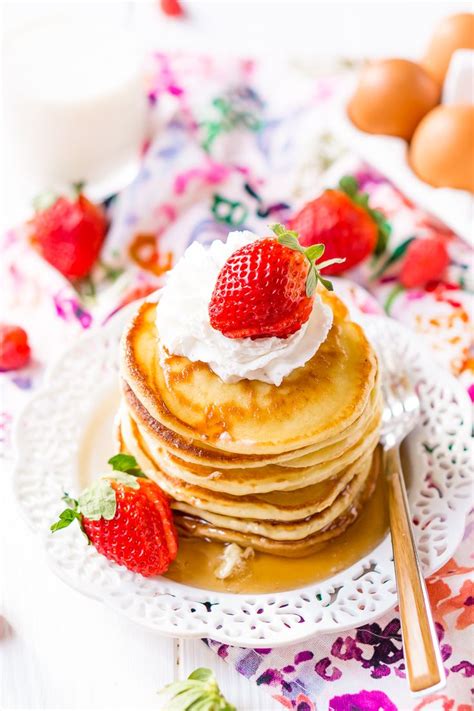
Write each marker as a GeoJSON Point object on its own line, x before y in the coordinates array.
{"type": "Point", "coordinates": [74, 104]}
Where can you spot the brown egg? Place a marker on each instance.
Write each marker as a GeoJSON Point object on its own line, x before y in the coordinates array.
{"type": "Point", "coordinates": [442, 149]}
{"type": "Point", "coordinates": [392, 97]}
{"type": "Point", "coordinates": [452, 33]}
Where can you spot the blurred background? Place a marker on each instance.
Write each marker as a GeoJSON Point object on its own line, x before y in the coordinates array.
{"type": "Point", "coordinates": [310, 32]}
{"type": "Point", "coordinates": [262, 27]}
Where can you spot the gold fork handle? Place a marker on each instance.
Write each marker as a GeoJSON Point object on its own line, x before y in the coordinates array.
{"type": "Point", "coordinates": [422, 656]}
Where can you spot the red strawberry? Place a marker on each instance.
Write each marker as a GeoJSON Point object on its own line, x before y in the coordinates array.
{"type": "Point", "coordinates": [127, 518]}
{"type": "Point", "coordinates": [266, 288]}
{"type": "Point", "coordinates": [343, 221]}
{"type": "Point", "coordinates": [14, 349]}
{"type": "Point", "coordinates": [172, 8]}
{"type": "Point", "coordinates": [425, 260]}
{"type": "Point", "coordinates": [69, 235]}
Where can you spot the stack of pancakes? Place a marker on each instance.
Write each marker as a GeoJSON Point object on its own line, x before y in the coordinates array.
{"type": "Point", "coordinates": [281, 469]}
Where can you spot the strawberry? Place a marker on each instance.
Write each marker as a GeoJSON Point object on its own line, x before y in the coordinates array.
{"type": "Point", "coordinates": [69, 234]}
{"type": "Point", "coordinates": [127, 518]}
{"type": "Point", "coordinates": [172, 8]}
{"type": "Point", "coordinates": [14, 349]}
{"type": "Point", "coordinates": [343, 221]}
{"type": "Point", "coordinates": [425, 260]}
{"type": "Point", "coordinates": [266, 288]}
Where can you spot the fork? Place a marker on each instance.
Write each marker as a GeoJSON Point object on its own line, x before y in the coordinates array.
{"type": "Point", "coordinates": [401, 412]}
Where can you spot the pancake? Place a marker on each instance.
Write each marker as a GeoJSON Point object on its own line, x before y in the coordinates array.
{"type": "Point", "coordinates": [194, 526]}
{"type": "Point", "coordinates": [313, 403]}
{"type": "Point", "coordinates": [274, 505]}
{"type": "Point", "coordinates": [288, 530]}
{"type": "Point", "coordinates": [160, 437]}
{"type": "Point", "coordinates": [282, 469]}
{"type": "Point", "coordinates": [271, 478]}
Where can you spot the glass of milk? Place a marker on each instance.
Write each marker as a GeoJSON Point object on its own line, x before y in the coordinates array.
{"type": "Point", "coordinates": [74, 106]}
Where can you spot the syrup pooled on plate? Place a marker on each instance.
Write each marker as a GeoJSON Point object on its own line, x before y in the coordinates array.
{"type": "Point", "coordinates": [263, 573]}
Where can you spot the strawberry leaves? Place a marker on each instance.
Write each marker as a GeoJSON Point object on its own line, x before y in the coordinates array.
{"type": "Point", "coordinates": [99, 500]}
{"type": "Point", "coordinates": [349, 185]}
{"type": "Point", "coordinates": [66, 517]}
{"type": "Point", "coordinates": [289, 238]}
{"type": "Point", "coordinates": [397, 254]}
{"type": "Point", "coordinates": [199, 691]}
{"type": "Point", "coordinates": [69, 515]}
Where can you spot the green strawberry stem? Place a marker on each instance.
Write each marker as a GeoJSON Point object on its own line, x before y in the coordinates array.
{"type": "Point", "coordinates": [99, 499]}
{"type": "Point", "coordinates": [198, 691]}
{"type": "Point", "coordinates": [289, 238]}
{"type": "Point", "coordinates": [397, 254]}
{"type": "Point", "coordinates": [349, 185]}
{"type": "Point", "coordinates": [392, 296]}
{"type": "Point", "coordinates": [47, 198]}
{"type": "Point", "coordinates": [78, 187]}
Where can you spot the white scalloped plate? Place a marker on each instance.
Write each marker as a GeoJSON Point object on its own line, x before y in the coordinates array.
{"type": "Point", "coordinates": [48, 439]}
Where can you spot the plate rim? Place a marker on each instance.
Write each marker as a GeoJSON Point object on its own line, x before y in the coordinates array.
{"type": "Point", "coordinates": [116, 322]}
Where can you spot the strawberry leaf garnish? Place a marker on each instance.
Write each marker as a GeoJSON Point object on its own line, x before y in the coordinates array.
{"type": "Point", "coordinates": [69, 515]}
{"type": "Point", "coordinates": [66, 517]}
{"type": "Point", "coordinates": [289, 238]}
{"type": "Point", "coordinates": [198, 691]}
{"type": "Point", "coordinates": [69, 500]}
{"type": "Point", "coordinates": [349, 185]}
{"type": "Point", "coordinates": [99, 500]}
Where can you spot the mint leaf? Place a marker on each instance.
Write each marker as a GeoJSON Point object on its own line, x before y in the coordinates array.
{"type": "Point", "coordinates": [122, 462]}
{"type": "Point", "coordinates": [187, 700]}
{"type": "Point", "coordinates": [201, 674]}
{"type": "Point", "coordinates": [126, 463]}
{"type": "Point", "coordinates": [199, 692]}
{"type": "Point", "coordinates": [98, 501]}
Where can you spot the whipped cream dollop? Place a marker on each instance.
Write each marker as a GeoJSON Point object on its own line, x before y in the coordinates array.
{"type": "Point", "coordinates": [183, 321]}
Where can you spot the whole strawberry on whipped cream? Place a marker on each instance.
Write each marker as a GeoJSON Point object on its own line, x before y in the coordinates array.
{"type": "Point", "coordinates": [247, 307]}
